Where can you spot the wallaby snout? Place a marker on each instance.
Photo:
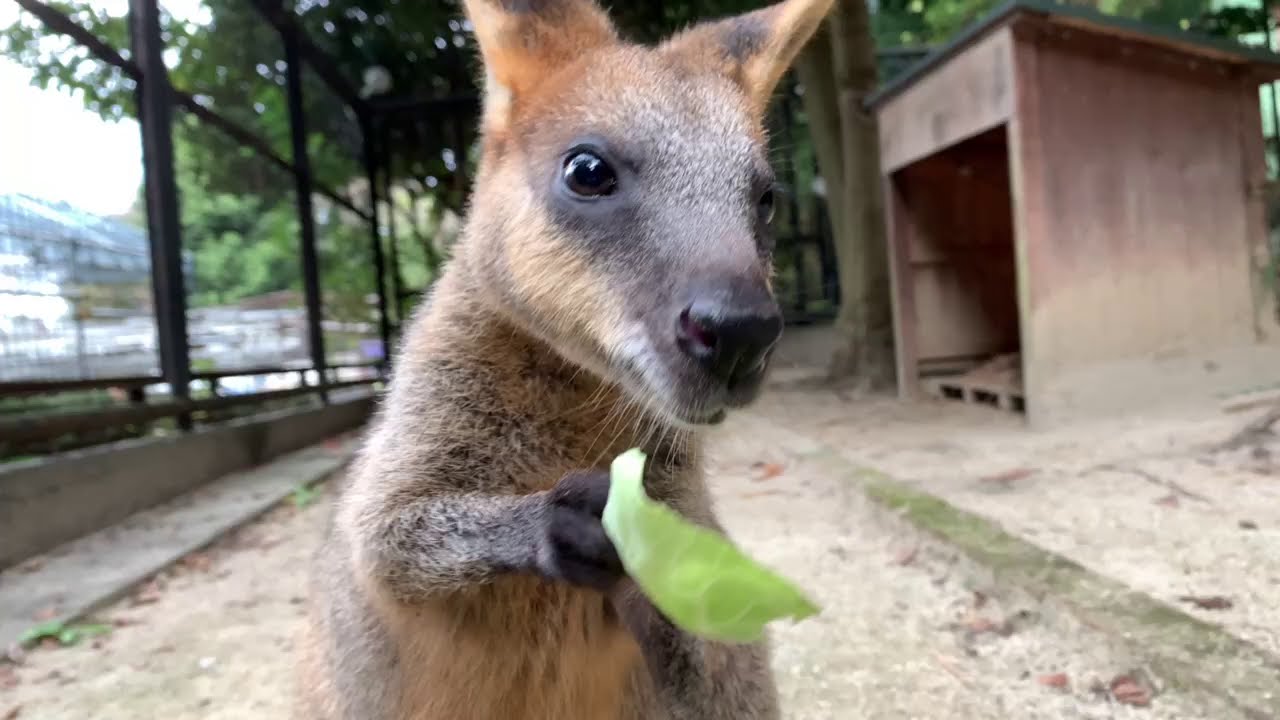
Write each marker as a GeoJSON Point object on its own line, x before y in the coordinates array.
{"type": "Point", "coordinates": [730, 334]}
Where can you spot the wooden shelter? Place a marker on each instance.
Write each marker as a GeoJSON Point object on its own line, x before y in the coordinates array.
{"type": "Point", "coordinates": [1076, 216]}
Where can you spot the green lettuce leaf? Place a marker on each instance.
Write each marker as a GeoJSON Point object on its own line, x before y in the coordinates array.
{"type": "Point", "coordinates": [693, 575]}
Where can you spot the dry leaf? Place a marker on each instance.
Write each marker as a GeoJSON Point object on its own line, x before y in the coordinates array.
{"type": "Point", "coordinates": [979, 625]}
{"type": "Point", "coordinates": [768, 471]}
{"type": "Point", "coordinates": [198, 561]}
{"type": "Point", "coordinates": [907, 556]}
{"type": "Point", "coordinates": [1169, 501]}
{"type": "Point", "coordinates": [1208, 602]}
{"type": "Point", "coordinates": [1128, 691]}
{"type": "Point", "coordinates": [148, 594]}
{"type": "Point", "coordinates": [760, 493]}
{"type": "Point", "coordinates": [1009, 476]}
{"type": "Point", "coordinates": [1055, 680]}
{"type": "Point", "coordinates": [13, 713]}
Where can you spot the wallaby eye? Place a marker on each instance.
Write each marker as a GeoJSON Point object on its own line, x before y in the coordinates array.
{"type": "Point", "coordinates": [588, 175]}
{"type": "Point", "coordinates": [764, 207]}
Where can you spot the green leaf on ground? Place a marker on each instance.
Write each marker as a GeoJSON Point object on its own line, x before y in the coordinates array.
{"type": "Point", "coordinates": [693, 575]}
{"type": "Point", "coordinates": [65, 634]}
{"type": "Point", "coordinates": [304, 496]}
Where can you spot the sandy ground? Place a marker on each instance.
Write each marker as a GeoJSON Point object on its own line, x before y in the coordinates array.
{"type": "Point", "coordinates": [907, 629]}
{"type": "Point", "coordinates": [1146, 501]}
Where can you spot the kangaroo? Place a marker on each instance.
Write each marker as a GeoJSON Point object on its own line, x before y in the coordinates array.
{"type": "Point", "coordinates": [611, 289]}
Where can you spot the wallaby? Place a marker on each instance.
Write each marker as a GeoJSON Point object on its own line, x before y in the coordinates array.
{"type": "Point", "coordinates": [611, 289]}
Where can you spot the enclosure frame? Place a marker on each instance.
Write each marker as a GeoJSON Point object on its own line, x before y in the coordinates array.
{"type": "Point", "coordinates": [1102, 271]}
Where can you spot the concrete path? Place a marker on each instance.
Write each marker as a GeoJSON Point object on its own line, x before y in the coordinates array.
{"type": "Point", "coordinates": [81, 576]}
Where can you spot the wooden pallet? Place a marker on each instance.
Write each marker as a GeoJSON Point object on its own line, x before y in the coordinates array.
{"type": "Point", "coordinates": [996, 383]}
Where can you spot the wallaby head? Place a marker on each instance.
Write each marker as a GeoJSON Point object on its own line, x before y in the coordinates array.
{"type": "Point", "coordinates": [621, 211]}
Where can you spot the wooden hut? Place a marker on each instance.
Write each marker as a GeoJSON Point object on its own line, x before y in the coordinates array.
{"type": "Point", "coordinates": [1076, 216]}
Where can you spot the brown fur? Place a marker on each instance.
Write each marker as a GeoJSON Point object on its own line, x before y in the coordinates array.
{"type": "Point", "coordinates": [534, 358]}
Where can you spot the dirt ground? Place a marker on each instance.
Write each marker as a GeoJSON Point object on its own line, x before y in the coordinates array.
{"type": "Point", "coordinates": [907, 629]}
{"type": "Point", "coordinates": [1149, 502]}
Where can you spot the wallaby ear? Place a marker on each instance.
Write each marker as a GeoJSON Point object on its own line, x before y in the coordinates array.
{"type": "Point", "coordinates": [522, 41]}
{"type": "Point", "coordinates": [754, 48]}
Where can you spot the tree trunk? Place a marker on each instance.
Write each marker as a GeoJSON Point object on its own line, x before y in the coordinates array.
{"type": "Point", "coordinates": [865, 319]}
{"type": "Point", "coordinates": [816, 73]}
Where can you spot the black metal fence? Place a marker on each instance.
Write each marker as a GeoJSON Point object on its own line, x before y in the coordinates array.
{"type": "Point", "coordinates": [110, 329]}
{"type": "Point", "coordinates": [156, 321]}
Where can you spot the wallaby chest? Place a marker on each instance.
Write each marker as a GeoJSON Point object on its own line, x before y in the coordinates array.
{"type": "Point", "coordinates": [519, 647]}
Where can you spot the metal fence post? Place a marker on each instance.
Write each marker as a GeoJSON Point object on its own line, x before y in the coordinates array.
{"type": "Point", "coordinates": [393, 257]}
{"type": "Point", "coordinates": [306, 220]}
{"type": "Point", "coordinates": [379, 269]}
{"type": "Point", "coordinates": [155, 114]}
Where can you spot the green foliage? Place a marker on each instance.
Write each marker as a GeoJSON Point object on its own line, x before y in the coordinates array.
{"type": "Point", "coordinates": [303, 496]}
{"type": "Point", "coordinates": [66, 635]}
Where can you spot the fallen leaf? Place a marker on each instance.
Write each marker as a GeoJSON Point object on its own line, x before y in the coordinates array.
{"type": "Point", "coordinates": [1208, 602]}
{"type": "Point", "coordinates": [761, 493]}
{"type": "Point", "coordinates": [148, 594]}
{"type": "Point", "coordinates": [1008, 476]}
{"type": "Point", "coordinates": [907, 556]}
{"type": "Point", "coordinates": [1169, 501]}
{"type": "Point", "coordinates": [979, 625]}
{"type": "Point", "coordinates": [45, 613]}
{"type": "Point", "coordinates": [1248, 525]}
{"type": "Point", "coordinates": [1055, 680]}
{"type": "Point", "coordinates": [768, 471]}
{"type": "Point", "coordinates": [1128, 691]}
{"type": "Point", "coordinates": [197, 561]}
{"type": "Point", "coordinates": [13, 713]}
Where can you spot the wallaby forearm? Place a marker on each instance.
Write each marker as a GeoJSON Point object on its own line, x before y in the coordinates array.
{"type": "Point", "coordinates": [444, 543]}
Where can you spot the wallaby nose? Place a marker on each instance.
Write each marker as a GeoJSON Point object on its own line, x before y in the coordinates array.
{"type": "Point", "coordinates": [732, 343]}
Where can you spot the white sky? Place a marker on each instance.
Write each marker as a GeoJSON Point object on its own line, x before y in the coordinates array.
{"type": "Point", "coordinates": [53, 148]}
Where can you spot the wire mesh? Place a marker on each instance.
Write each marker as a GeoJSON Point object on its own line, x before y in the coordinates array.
{"type": "Point", "coordinates": [245, 306]}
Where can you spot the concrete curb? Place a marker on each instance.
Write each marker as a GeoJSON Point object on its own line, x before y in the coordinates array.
{"type": "Point", "coordinates": [1185, 651]}
{"type": "Point", "coordinates": [81, 577]}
